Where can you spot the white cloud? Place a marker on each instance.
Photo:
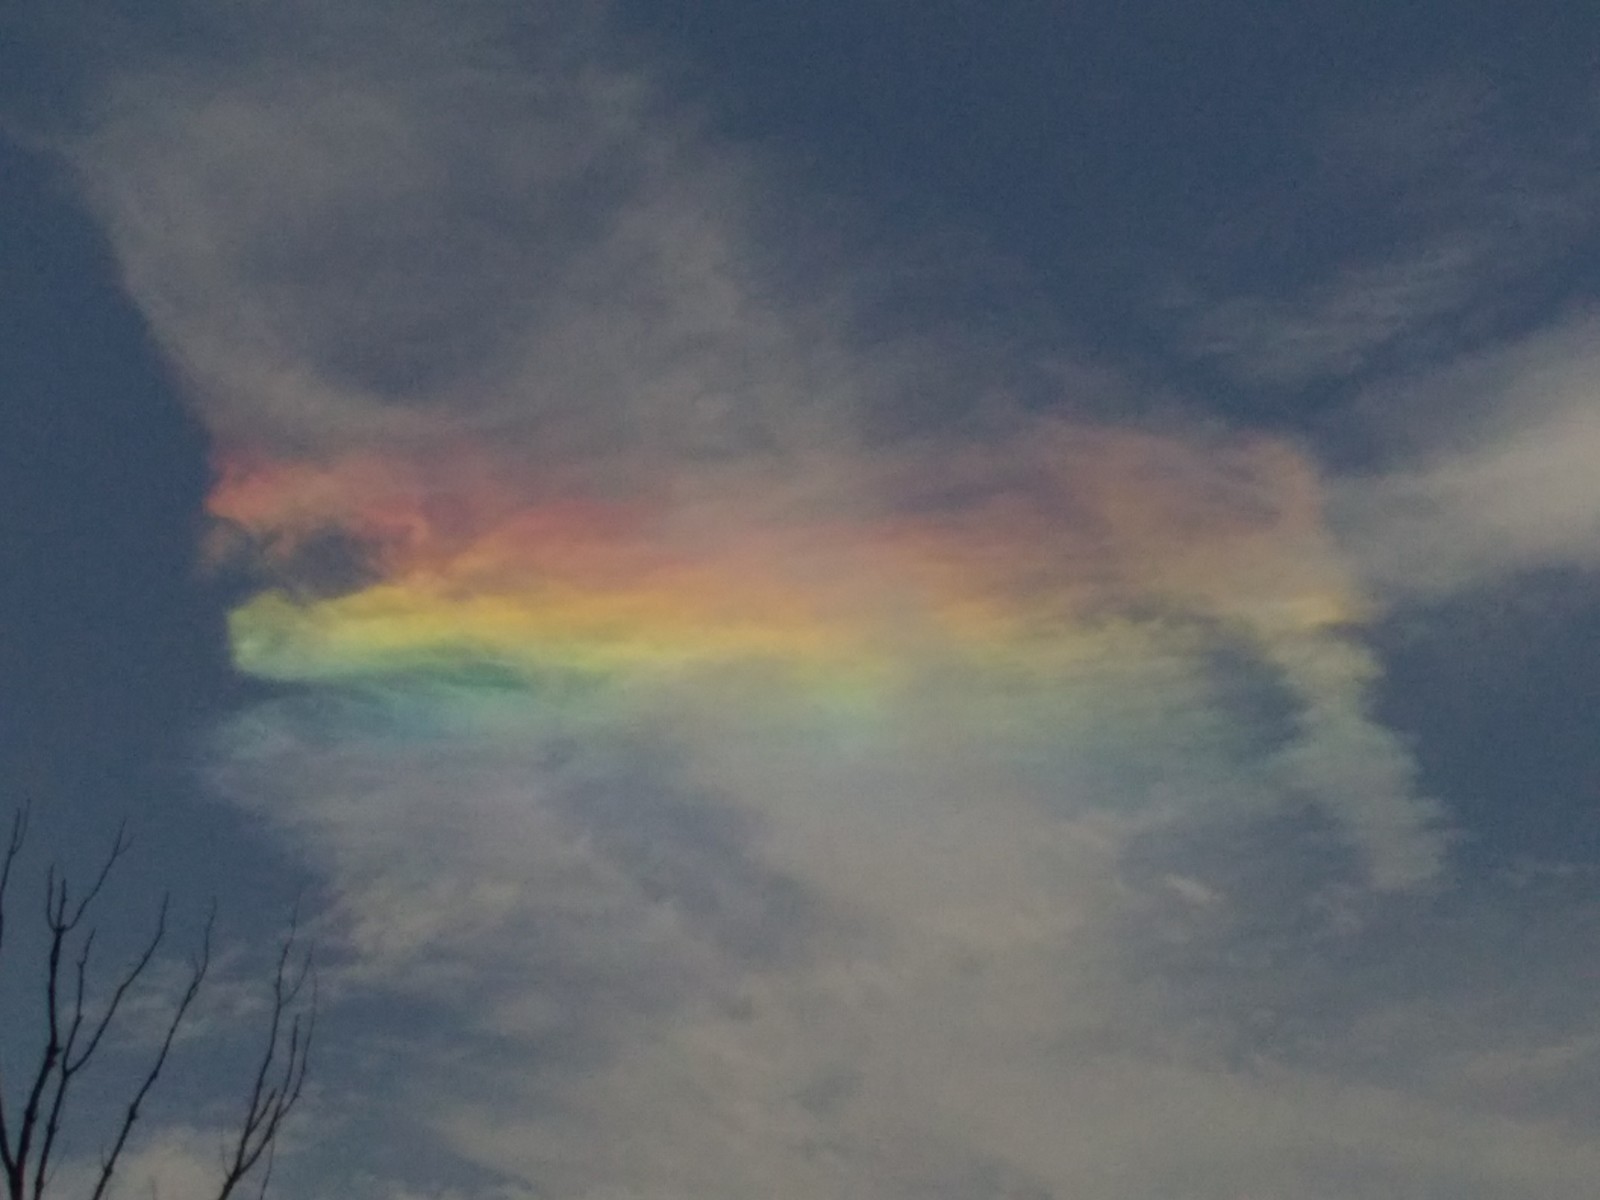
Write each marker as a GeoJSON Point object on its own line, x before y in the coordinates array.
{"type": "Point", "coordinates": [1494, 471]}
{"type": "Point", "coordinates": [403, 239]}
{"type": "Point", "coordinates": [738, 959]}
{"type": "Point", "coordinates": [177, 1162]}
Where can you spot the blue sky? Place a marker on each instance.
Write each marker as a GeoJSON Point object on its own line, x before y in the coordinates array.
{"type": "Point", "coordinates": [1243, 903]}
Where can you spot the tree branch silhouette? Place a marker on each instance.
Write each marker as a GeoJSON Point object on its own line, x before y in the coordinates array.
{"type": "Point", "coordinates": [72, 1035]}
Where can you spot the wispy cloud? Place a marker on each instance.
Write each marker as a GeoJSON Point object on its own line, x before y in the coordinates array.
{"type": "Point", "coordinates": [1425, 230]}
{"type": "Point", "coordinates": [1487, 469]}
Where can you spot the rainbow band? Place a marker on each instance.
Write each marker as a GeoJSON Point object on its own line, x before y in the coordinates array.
{"type": "Point", "coordinates": [998, 565]}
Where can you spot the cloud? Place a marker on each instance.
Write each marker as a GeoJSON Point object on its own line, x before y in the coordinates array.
{"type": "Point", "coordinates": [886, 981]}
{"type": "Point", "coordinates": [405, 225]}
{"type": "Point", "coordinates": [1488, 470]}
{"type": "Point", "coordinates": [1342, 326]}
{"type": "Point", "coordinates": [716, 794]}
{"type": "Point", "coordinates": [1427, 226]}
{"type": "Point", "coordinates": [177, 1162]}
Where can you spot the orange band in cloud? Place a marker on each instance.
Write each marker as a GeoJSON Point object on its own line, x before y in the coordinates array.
{"type": "Point", "coordinates": [1010, 556]}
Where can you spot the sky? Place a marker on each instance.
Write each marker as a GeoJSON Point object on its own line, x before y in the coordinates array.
{"type": "Point", "coordinates": [853, 600]}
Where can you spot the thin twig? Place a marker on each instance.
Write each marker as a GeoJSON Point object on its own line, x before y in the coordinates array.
{"type": "Point", "coordinates": [270, 1104]}
{"type": "Point", "coordinates": [197, 975]}
{"type": "Point", "coordinates": [72, 1037]}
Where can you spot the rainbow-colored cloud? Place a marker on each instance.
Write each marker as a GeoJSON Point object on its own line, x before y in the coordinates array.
{"type": "Point", "coordinates": [1009, 558]}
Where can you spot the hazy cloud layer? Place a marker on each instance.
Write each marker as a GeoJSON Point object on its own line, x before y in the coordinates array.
{"type": "Point", "coordinates": [1088, 931]}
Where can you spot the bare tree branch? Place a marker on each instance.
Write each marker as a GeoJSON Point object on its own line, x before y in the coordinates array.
{"type": "Point", "coordinates": [71, 1063]}
{"type": "Point", "coordinates": [17, 1163]}
{"type": "Point", "coordinates": [72, 1036]}
{"type": "Point", "coordinates": [18, 835]}
{"type": "Point", "coordinates": [197, 975]}
{"type": "Point", "coordinates": [62, 918]}
{"type": "Point", "coordinates": [273, 1095]}
{"type": "Point", "coordinates": [119, 847]}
